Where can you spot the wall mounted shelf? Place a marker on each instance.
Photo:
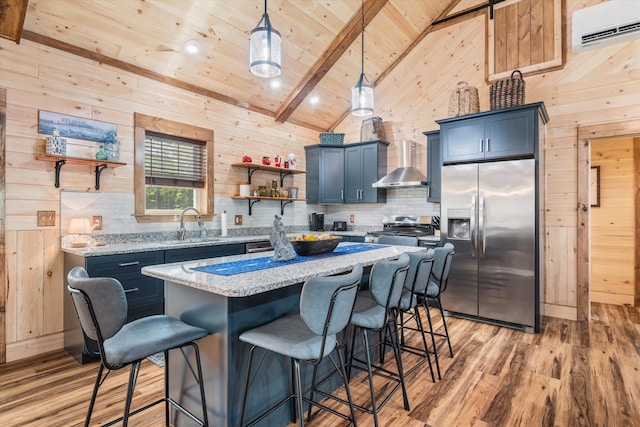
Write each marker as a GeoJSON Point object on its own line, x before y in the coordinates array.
{"type": "Point", "coordinates": [284, 201]}
{"type": "Point", "coordinates": [99, 165]}
{"type": "Point", "coordinates": [253, 167]}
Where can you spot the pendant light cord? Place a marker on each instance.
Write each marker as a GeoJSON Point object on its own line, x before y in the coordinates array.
{"type": "Point", "coordinates": [362, 57]}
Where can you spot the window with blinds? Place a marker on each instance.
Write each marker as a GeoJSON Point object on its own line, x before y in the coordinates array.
{"type": "Point", "coordinates": [171, 161]}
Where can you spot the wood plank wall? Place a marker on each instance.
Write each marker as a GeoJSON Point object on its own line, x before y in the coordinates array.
{"type": "Point", "coordinates": [612, 226]}
{"type": "Point", "coordinates": [596, 86]}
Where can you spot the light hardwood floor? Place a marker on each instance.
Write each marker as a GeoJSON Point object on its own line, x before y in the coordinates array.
{"type": "Point", "coordinates": [571, 374]}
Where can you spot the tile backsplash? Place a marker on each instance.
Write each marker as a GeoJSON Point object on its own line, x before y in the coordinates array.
{"type": "Point", "coordinates": [117, 210]}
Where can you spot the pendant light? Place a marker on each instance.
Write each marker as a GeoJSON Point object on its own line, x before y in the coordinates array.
{"type": "Point", "coordinates": [362, 92]}
{"type": "Point", "coordinates": [264, 49]}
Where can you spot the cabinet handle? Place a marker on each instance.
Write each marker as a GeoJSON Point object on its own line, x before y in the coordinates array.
{"type": "Point", "coordinates": [482, 145]}
{"type": "Point", "coordinates": [488, 149]}
{"type": "Point", "coordinates": [126, 291]}
{"type": "Point", "coordinates": [128, 264]}
{"type": "Point", "coordinates": [341, 194]}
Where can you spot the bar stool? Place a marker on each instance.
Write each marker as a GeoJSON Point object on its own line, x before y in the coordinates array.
{"type": "Point", "coordinates": [326, 304]}
{"type": "Point", "coordinates": [387, 239]}
{"type": "Point", "coordinates": [442, 258]}
{"type": "Point", "coordinates": [376, 310]}
{"type": "Point", "coordinates": [413, 294]}
{"type": "Point", "coordinates": [101, 306]}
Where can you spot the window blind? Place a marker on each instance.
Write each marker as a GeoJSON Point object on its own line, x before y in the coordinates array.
{"type": "Point", "coordinates": [171, 161]}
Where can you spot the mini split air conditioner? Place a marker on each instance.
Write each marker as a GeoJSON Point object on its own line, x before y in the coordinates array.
{"type": "Point", "coordinates": [604, 24]}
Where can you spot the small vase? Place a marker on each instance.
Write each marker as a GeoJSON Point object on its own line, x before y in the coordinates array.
{"type": "Point", "coordinates": [102, 154]}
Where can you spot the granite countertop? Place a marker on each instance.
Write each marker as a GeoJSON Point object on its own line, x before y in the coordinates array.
{"type": "Point", "coordinates": [132, 247]}
{"type": "Point", "coordinates": [246, 284]}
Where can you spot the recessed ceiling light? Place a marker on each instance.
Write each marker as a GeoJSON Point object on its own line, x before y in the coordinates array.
{"type": "Point", "coordinates": [314, 99]}
{"type": "Point", "coordinates": [192, 47]}
{"type": "Point", "coordinates": [275, 83]}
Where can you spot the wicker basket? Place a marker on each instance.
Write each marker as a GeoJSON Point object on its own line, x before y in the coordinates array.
{"type": "Point", "coordinates": [331, 138]}
{"type": "Point", "coordinates": [463, 100]}
{"type": "Point", "coordinates": [508, 92]}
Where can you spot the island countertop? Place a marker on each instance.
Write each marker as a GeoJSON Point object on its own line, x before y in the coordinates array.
{"type": "Point", "coordinates": [252, 283]}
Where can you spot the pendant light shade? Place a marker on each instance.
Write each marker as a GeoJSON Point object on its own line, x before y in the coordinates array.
{"type": "Point", "coordinates": [362, 96]}
{"type": "Point", "coordinates": [264, 49]}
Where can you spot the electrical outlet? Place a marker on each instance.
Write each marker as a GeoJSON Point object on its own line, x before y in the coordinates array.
{"type": "Point", "coordinates": [96, 222]}
{"type": "Point", "coordinates": [352, 219]}
{"type": "Point", "coordinates": [237, 220]}
{"type": "Point", "coordinates": [46, 218]}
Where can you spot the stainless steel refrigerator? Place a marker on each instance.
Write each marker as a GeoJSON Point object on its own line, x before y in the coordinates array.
{"type": "Point", "coordinates": [490, 213]}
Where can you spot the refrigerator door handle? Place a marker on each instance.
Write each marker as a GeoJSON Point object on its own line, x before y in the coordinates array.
{"type": "Point", "coordinates": [472, 225]}
{"type": "Point", "coordinates": [481, 239]}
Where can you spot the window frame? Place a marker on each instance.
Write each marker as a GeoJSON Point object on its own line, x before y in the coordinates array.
{"type": "Point", "coordinates": [144, 123]}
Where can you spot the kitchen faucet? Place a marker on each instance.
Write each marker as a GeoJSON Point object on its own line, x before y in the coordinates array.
{"type": "Point", "coordinates": [182, 231]}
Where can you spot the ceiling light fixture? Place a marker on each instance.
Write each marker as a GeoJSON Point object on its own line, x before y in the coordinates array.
{"type": "Point", "coordinates": [264, 49]}
{"type": "Point", "coordinates": [362, 92]}
{"type": "Point", "coordinates": [192, 47]}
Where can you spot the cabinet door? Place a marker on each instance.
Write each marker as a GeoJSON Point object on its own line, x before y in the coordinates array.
{"type": "Point", "coordinates": [510, 134]}
{"type": "Point", "coordinates": [331, 175]}
{"type": "Point", "coordinates": [353, 174]}
{"type": "Point", "coordinates": [462, 141]}
{"type": "Point", "coordinates": [140, 290]}
{"type": "Point", "coordinates": [371, 172]}
{"type": "Point", "coordinates": [434, 167]}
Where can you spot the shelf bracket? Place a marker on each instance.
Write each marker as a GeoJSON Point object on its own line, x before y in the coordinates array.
{"type": "Point", "coordinates": [250, 172]}
{"type": "Point", "coordinates": [251, 203]}
{"type": "Point", "coordinates": [282, 177]}
{"type": "Point", "coordinates": [99, 170]}
{"type": "Point", "coordinates": [59, 164]}
{"type": "Point", "coordinates": [283, 203]}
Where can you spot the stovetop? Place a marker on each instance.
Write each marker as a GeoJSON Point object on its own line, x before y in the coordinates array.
{"type": "Point", "coordinates": [407, 225]}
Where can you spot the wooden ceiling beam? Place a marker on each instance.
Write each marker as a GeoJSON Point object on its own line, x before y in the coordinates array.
{"type": "Point", "coordinates": [329, 57]}
{"type": "Point", "coordinates": [12, 14]}
{"type": "Point", "coordinates": [430, 28]}
{"type": "Point", "coordinates": [152, 75]}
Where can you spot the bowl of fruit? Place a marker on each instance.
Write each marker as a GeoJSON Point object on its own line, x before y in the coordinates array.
{"type": "Point", "coordinates": [315, 244]}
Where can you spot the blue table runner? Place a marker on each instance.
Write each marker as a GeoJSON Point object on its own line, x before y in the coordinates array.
{"type": "Point", "coordinates": [246, 266]}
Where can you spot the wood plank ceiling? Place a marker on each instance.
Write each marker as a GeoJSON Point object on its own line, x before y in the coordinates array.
{"type": "Point", "coordinates": [321, 45]}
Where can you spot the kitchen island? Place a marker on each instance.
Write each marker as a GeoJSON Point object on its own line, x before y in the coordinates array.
{"type": "Point", "coordinates": [227, 306]}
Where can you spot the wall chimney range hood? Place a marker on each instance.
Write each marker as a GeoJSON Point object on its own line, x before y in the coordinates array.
{"type": "Point", "coordinates": [405, 176]}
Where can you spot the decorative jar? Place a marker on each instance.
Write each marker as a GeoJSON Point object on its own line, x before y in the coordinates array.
{"type": "Point", "coordinates": [56, 144]}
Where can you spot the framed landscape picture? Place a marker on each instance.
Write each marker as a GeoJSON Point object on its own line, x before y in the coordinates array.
{"type": "Point", "coordinates": [74, 127]}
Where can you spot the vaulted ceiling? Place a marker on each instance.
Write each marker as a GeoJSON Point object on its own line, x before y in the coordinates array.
{"type": "Point", "coordinates": [321, 44]}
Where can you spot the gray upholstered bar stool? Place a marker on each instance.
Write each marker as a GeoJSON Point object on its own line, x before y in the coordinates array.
{"type": "Point", "coordinates": [376, 310]}
{"type": "Point", "coordinates": [386, 239]}
{"type": "Point", "coordinates": [413, 294]}
{"type": "Point", "coordinates": [442, 258]}
{"type": "Point", "coordinates": [102, 309]}
{"type": "Point", "coordinates": [326, 304]}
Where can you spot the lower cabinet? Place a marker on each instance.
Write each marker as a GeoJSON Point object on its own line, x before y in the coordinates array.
{"type": "Point", "coordinates": [145, 295]}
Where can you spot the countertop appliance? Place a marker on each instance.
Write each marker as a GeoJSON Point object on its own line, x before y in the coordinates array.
{"type": "Point", "coordinates": [339, 225]}
{"type": "Point", "coordinates": [489, 213]}
{"type": "Point", "coordinates": [405, 225]}
{"type": "Point", "coordinates": [316, 222]}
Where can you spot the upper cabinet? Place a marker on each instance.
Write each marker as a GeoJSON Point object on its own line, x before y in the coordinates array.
{"type": "Point", "coordinates": [325, 174]}
{"type": "Point", "coordinates": [434, 166]}
{"type": "Point", "coordinates": [364, 165]}
{"type": "Point", "coordinates": [498, 134]}
{"type": "Point", "coordinates": [344, 173]}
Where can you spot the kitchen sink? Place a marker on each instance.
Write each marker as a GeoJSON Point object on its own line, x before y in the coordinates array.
{"type": "Point", "coordinates": [189, 241]}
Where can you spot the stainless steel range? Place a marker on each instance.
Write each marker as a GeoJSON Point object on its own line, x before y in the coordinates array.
{"type": "Point", "coordinates": [407, 225]}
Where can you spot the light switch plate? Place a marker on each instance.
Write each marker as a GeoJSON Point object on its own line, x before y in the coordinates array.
{"type": "Point", "coordinates": [46, 218]}
{"type": "Point", "coordinates": [96, 222]}
{"type": "Point", "coordinates": [237, 220]}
